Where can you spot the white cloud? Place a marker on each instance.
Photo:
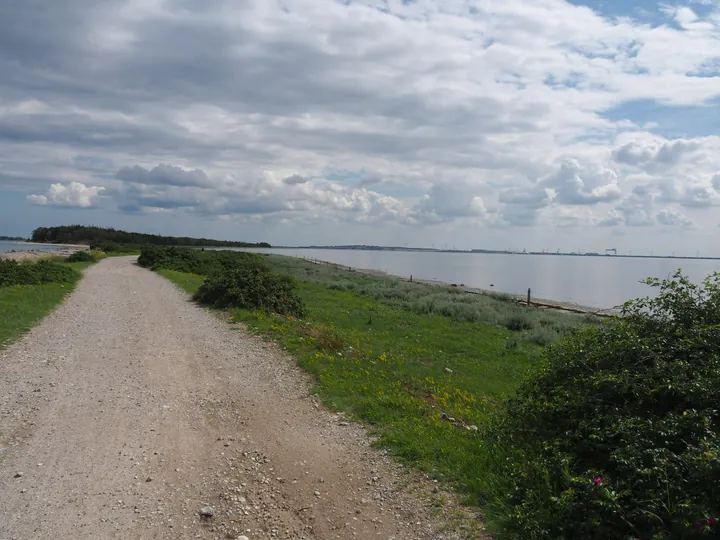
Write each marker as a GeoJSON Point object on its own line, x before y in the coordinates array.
{"type": "Point", "coordinates": [72, 195]}
{"type": "Point", "coordinates": [164, 175]}
{"type": "Point", "coordinates": [671, 218]}
{"type": "Point", "coordinates": [488, 113]}
{"type": "Point", "coordinates": [716, 182]}
{"type": "Point", "coordinates": [655, 153]}
{"type": "Point", "coordinates": [574, 184]}
{"type": "Point", "coordinates": [635, 210]}
{"type": "Point", "coordinates": [690, 192]}
{"type": "Point", "coordinates": [295, 179]}
{"type": "Point", "coordinates": [449, 201]}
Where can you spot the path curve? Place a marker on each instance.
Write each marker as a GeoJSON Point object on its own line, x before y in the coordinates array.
{"type": "Point", "coordinates": [129, 408]}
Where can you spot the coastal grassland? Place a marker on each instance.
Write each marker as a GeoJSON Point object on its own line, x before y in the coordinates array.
{"type": "Point", "coordinates": [424, 380]}
{"type": "Point", "coordinates": [539, 326]}
{"type": "Point", "coordinates": [22, 306]}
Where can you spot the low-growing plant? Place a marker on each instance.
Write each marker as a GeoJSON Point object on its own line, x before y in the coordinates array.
{"type": "Point", "coordinates": [496, 309]}
{"type": "Point", "coordinates": [196, 261]}
{"type": "Point", "coordinates": [111, 248]}
{"type": "Point", "coordinates": [34, 273]}
{"type": "Point", "coordinates": [252, 287]}
{"type": "Point", "coordinates": [617, 434]}
{"type": "Point", "coordinates": [82, 256]}
{"type": "Point", "coordinates": [517, 322]}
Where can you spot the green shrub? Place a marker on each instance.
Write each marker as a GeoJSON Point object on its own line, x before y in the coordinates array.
{"type": "Point", "coordinates": [252, 287]}
{"type": "Point", "coordinates": [81, 256]}
{"type": "Point", "coordinates": [34, 273]}
{"type": "Point", "coordinates": [234, 278]}
{"type": "Point", "coordinates": [542, 336]}
{"type": "Point", "coordinates": [517, 322]}
{"type": "Point", "coordinates": [112, 248]}
{"type": "Point", "coordinates": [617, 435]}
{"type": "Point", "coordinates": [196, 261]}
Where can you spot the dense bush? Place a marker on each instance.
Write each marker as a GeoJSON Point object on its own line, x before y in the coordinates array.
{"type": "Point", "coordinates": [234, 278]}
{"type": "Point", "coordinates": [117, 249]}
{"type": "Point", "coordinates": [34, 273]}
{"type": "Point", "coordinates": [81, 256]}
{"type": "Point", "coordinates": [252, 287]}
{"type": "Point", "coordinates": [195, 261]}
{"type": "Point", "coordinates": [618, 433]}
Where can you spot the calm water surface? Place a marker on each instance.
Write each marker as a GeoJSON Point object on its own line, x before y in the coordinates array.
{"type": "Point", "coordinates": [10, 246]}
{"type": "Point", "coordinates": [601, 282]}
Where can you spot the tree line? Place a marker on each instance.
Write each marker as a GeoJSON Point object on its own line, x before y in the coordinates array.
{"type": "Point", "coordinates": [80, 234]}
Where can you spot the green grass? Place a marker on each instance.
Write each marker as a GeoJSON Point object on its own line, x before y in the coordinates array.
{"type": "Point", "coordinates": [401, 371]}
{"type": "Point", "coordinates": [188, 282]}
{"type": "Point", "coordinates": [22, 306]}
{"type": "Point", "coordinates": [539, 326]}
{"type": "Point", "coordinates": [129, 253]}
{"type": "Point", "coordinates": [79, 266]}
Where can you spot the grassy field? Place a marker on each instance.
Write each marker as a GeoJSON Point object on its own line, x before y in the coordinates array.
{"type": "Point", "coordinates": [539, 326]}
{"type": "Point", "coordinates": [424, 378]}
{"type": "Point", "coordinates": [188, 282]}
{"type": "Point", "coordinates": [22, 306]}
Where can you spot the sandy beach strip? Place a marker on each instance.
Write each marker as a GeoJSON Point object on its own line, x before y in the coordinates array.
{"type": "Point", "coordinates": [64, 250]}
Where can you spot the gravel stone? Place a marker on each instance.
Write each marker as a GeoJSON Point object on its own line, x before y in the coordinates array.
{"type": "Point", "coordinates": [139, 384]}
{"type": "Point", "coordinates": [207, 511]}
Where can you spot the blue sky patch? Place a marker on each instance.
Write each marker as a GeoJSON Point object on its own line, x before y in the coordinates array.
{"type": "Point", "coordinates": [672, 121]}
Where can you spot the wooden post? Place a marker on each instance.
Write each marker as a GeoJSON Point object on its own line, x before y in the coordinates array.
{"type": "Point", "coordinates": [410, 278]}
{"type": "Point", "coordinates": [528, 300]}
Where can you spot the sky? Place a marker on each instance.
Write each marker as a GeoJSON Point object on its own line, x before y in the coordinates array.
{"type": "Point", "coordinates": [499, 124]}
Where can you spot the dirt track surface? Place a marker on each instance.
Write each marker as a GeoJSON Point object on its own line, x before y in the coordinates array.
{"type": "Point", "coordinates": [129, 409]}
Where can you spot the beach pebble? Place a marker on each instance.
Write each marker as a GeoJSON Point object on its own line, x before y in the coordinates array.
{"type": "Point", "coordinates": [207, 511]}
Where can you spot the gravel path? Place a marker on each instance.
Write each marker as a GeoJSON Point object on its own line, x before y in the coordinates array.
{"type": "Point", "coordinates": [129, 409]}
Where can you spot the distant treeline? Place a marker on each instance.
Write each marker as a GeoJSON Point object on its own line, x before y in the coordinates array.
{"type": "Point", "coordinates": [11, 238]}
{"type": "Point", "coordinates": [79, 234]}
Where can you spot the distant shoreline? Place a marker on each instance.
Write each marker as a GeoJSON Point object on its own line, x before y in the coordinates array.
{"type": "Point", "coordinates": [64, 250]}
{"type": "Point", "coordinates": [76, 246]}
{"type": "Point", "coordinates": [495, 252]}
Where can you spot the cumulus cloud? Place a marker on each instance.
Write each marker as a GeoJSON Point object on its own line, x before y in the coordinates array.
{"type": "Point", "coordinates": [295, 179]}
{"type": "Point", "coordinates": [72, 195]}
{"type": "Point", "coordinates": [245, 94]}
{"type": "Point", "coordinates": [534, 197]}
{"type": "Point", "coordinates": [654, 153]}
{"type": "Point", "coordinates": [571, 185]}
{"type": "Point", "coordinates": [448, 201]}
{"type": "Point", "coordinates": [671, 218]}
{"type": "Point", "coordinates": [716, 182]}
{"type": "Point", "coordinates": [688, 192]}
{"type": "Point", "coordinates": [522, 206]}
{"type": "Point", "coordinates": [164, 175]}
{"type": "Point", "coordinates": [636, 209]}
{"type": "Point", "coordinates": [260, 195]}
{"type": "Point", "coordinates": [577, 185]}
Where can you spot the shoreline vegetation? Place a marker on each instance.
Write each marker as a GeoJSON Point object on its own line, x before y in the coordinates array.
{"type": "Point", "coordinates": [424, 366]}
{"type": "Point", "coordinates": [99, 238]}
{"type": "Point", "coordinates": [64, 250]}
{"type": "Point", "coordinates": [538, 303]}
{"type": "Point", "coordinates": [551, 425]}
{"type": "Point", "coordinates": [31, 289]}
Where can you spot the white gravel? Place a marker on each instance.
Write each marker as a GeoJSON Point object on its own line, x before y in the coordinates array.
{"type": "Point", "coordinates": [130, 409]}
